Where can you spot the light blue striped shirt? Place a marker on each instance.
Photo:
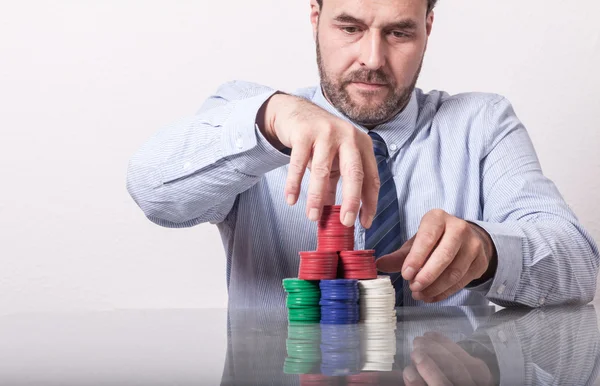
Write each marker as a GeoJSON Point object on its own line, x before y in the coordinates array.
{"type": "Point", "coordinates": [466, 154]}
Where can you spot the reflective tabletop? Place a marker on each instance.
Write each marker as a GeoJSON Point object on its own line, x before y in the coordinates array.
{"type": "Point", "coordinates": [427, 346]}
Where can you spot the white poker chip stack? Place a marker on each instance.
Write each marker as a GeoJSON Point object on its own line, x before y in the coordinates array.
{"type": "Point", "coordinates": [378, 315]}
{"type": "Point", "coordinates": [377, 300]}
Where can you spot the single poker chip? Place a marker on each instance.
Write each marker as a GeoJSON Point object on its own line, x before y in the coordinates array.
{"type": "Point", "coordinates": [370, 252]}
{"type": "Point", "coordinates": [300, 284]}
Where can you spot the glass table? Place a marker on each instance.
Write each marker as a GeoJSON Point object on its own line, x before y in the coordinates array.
{"type": "Point", "coordinates": [427, 346]}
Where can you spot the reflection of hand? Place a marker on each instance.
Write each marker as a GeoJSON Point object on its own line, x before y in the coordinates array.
{"type": "Point", "coordinates": [439, 361]}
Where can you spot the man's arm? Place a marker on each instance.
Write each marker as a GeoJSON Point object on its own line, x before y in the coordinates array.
{"type": "Point", "coordinates": [192, 171]}
{"type": "Point", "coordinates": [544, 256]}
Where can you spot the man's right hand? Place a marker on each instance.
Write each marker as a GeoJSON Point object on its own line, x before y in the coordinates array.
{"type": "Point", "coordinates": [330, 147]}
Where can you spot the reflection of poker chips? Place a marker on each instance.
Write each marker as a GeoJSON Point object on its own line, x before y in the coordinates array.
{"type": "Point", "coordinates": [340, 350]}
{"type": "Point", "coordinates": [379, 346]}
{"type": "Point", "coordinates": [357, 265]}
{"type": "Point", "coordinates": [303, 348]}
{"type": "Point", "coordinates": [302, 301]}
{"type": "Point", "coordinates": [339, 301]}
{"type": "Point", "coordinates": [332, 235]}
{"type": "Point", "coordinates": [318, 265]}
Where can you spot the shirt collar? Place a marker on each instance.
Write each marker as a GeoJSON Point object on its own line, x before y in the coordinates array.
{"type": "Point", "coordinates": [394, 132]}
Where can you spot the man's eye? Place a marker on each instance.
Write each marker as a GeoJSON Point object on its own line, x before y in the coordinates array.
{"type": "Point", "coordinates": [399, 34]}
{"type": "Point", "coordinates": [350, 30]}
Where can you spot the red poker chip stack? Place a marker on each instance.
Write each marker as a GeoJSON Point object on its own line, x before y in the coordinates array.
{"type": "Point", "coordinates": [332, 235]}
{"type": "Point", "coordinates": [318, 265]}
{"type": "Point", "coordinates": [358, 265]}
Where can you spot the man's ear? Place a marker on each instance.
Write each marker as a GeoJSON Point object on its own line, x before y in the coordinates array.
{"type": "Point", "coordinates": [315, 11]}
{"type": "Point", "coordinates": [429, 22]}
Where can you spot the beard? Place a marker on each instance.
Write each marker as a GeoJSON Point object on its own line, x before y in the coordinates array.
{"type": "Point", "coordinates": [335, 90]}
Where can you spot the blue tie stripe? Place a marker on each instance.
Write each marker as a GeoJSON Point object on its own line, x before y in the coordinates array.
{"type": "Point", "coordinates": [384, 235]}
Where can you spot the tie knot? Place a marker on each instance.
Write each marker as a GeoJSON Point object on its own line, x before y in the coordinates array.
{"type": "Point", "coordinates": [379, 146]}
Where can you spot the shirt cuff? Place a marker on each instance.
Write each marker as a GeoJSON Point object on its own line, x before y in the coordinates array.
{"type": "Point", "coordinates": [244, 145]}
{"type": "Point", "coordinates": [503, 286]}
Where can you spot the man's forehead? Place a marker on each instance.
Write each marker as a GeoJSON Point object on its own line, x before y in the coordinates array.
{"type": "Point", "coordinates": [377, 11]}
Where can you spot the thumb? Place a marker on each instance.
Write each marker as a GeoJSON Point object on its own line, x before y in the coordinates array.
{"type": "Point", "coordinates": [393, 262]}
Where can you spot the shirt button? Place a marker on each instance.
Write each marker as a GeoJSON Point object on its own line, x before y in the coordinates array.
{"type": "Point", "coordinates": [502, 336]}
{"type": "Point", "coordinates": [500, 289]}
{"type": "Point", "coordinates": [393, 147]}
{"type": "Point", "coordinates": [187, 165]}
{"type": "Point", "coordinates": [239, 143]}
{"type": "Point", "coordinates": [542, 301]}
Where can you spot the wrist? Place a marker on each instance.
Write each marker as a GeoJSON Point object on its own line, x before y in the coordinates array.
{"type": "Point", "coordinates": [265, 120]}
{"type": "Point", "coordinates": [489, 250]}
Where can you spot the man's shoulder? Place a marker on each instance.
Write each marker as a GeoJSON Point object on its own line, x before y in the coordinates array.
{"type": "Point", "coordinates": [466, 102]}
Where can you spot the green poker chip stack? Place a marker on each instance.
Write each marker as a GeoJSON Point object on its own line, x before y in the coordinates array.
{"type": "Point", "coordinates": [303, 347]}
{"type": "Point", "coordinates": [302, 300]}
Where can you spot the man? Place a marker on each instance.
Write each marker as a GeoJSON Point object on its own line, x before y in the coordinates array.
{"type": "Point", "coordinates": [447, 189]}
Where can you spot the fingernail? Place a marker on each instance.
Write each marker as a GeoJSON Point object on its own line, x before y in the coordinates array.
{"type": "Point", "coordinates": [349, 219]}
{"type": "Point", "coordinates": [313, 215]}
{"type": "Point", "coordinates": [418, 357]}
{"type": "Point", "coordinates": [417, 296]}
{"type": "Point", "coordinates": [410, 374]}
{"type": "Point", "coordinates": [416, 287]}
{"type": "Point", "coordinates": [409, 273]}
{"type": "Point", "coordinates": [291, 199]}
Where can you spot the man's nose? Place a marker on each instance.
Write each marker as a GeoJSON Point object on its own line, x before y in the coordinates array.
{"type": "Point", "coordinates": [372, 51]}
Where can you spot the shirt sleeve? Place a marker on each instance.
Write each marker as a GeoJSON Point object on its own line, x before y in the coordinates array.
{"type": "Point", "coordinates": [545, 257]}
{"type": "Point", "coordinates": [192, 171]}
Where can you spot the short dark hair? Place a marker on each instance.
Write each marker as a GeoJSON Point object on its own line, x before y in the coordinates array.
{"type": "Point", "coordinates": [430, 4]}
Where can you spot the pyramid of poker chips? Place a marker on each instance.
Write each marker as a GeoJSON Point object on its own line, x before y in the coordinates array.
{"type": "Point", "coordinates": [377, 300]}
{"type": "Point", "coordinates": [302, 301]}
{"type": "Point", "coordinates": [339, 301]}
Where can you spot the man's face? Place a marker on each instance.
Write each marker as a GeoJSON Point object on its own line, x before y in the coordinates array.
{"type": "Point", "coordinates": [369, 54]}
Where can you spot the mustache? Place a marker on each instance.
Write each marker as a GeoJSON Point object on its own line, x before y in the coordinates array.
{"type": "Point", "coordinates": [377, 76]}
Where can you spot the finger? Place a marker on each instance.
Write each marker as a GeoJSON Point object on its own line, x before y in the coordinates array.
{"type": "Point", "coordinates": [393, 262]}
{"type": "Point", "coordinates": [353, 175]}
{"type": "Point", "coordinates": [332, 187]}
{"type": "Point", "coordinates": [452, 274]}
{"type": "Point", "coordinates": [298, 161]}
{"type": "Point", "coordinates": [442, 256]}
{"type": "Point", "coordinates": [320, 170]}
{"type": "Point", "coordinates": [430, 230]}
{"type": "Point", "coordinates": [447, 362]}
{"type": "Point", "coordinates": [371, 184]}
{"type": "Point", "coordinates": [428, 369]}
{"type": "Point", "coordinates": [411, 377]}
{"type": "Point", "coordinates": [476, 270]}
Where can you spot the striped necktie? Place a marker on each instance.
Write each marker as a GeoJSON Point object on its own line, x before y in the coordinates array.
{"type": "Point", "coordinates": [384, 235]}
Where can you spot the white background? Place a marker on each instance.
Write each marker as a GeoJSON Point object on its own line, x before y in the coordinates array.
{"type": "Point", "coordinates": [83, 84]}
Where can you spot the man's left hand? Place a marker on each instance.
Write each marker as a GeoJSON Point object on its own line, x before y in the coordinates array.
{"type": "Point", "coordinates": [445, 255]}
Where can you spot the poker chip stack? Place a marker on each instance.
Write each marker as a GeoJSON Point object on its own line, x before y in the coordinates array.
{"type": "Point", "coordinates": [319, 265]}
{"type": "Point", "coordinates": [339, 301]}
{"type": "Point", "coordinates": [332, 235]}
{"type": "Point", "coordinates": [340, 349]}
{"type": "Point", "coordinates": [377, 300]}
{"type": "Point", "coordinates": [303, 348]}
{"type": "Point", "coordinates": [302, 301]}
{"type": "Point", "coordinates": [357, 265]}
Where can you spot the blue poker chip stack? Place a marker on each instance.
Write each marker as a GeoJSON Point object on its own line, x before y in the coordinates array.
{"type": "Point", "coordinates": [339, 301]}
